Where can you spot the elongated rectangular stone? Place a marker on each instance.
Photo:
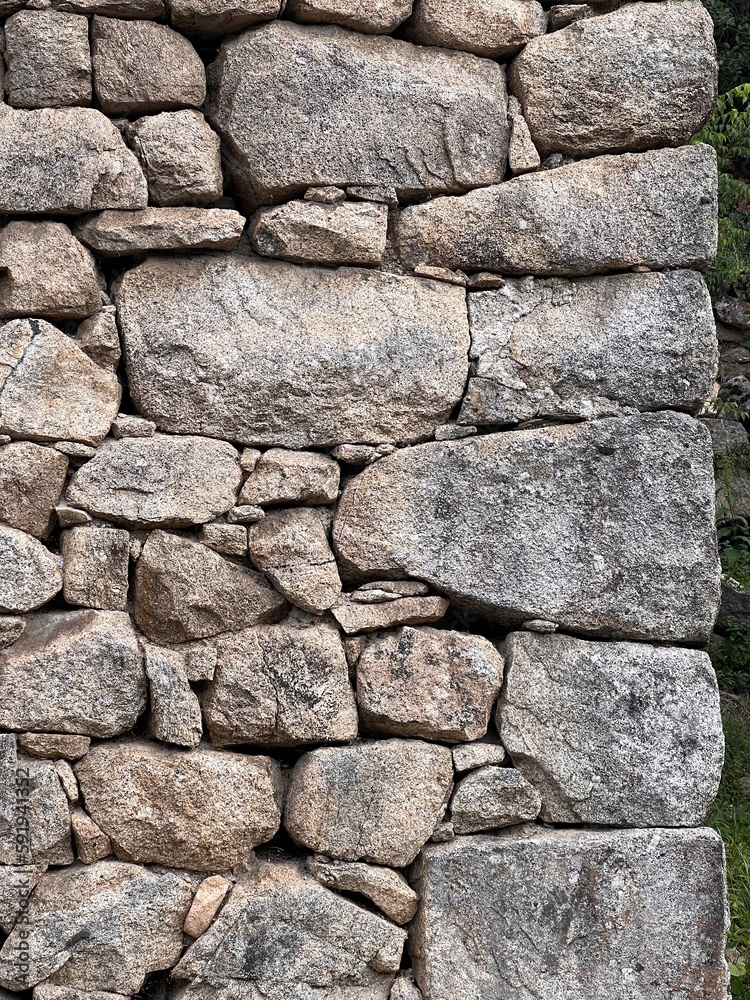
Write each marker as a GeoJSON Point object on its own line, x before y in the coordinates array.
{"type": "Point", "coordinates": [608, 213]}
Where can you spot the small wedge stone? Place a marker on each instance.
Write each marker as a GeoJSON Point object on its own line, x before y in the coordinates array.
{"type": "Point", "coordinates": [281, 476]}
{"type": "Point", "coordinates": [91, 844]}
{"type": "Point", "coordinates": [98, 337]}
{"type": "Point", "coordinates": [118, 234]}
{"type": "Point", "coordinates": [54, 745]}
{"type": "Point", "coordinates": [354, 617]}
{"type": "Point", "coordinates": [387, 889]}
{"type": "Point", "coordinates": [175, 714]}
{"type": "Point", "coordinates": [310, 232]}
{"type": "Point", "coordinates": [206, 902]}
{"type": "Point", "coordinates": [491, 798]}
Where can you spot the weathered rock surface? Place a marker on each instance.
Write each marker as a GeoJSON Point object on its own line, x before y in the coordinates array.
{"type": "Point", "coordinates": [620, 734]}
{"type": "Point", "coordinates": [73, 672]}
{"type": "Point", "coordinates": [475, 755]}
{"type": "Point", "coordinates": [228, 539]}
{"type": "Point", "coordinates": [727, 436]}
{"type": "Point", "coordinates": [141, 67]}
{"type": "Point", "coordinates": [11, 627]}
{"type": "Point", "coordinates": [554, 523]}
{"type": "Point", "coordinates": [350, 232]}
{"type": "Point", "coordinates": [181, 157]}
{"type": "Point", "coordinates": [590, 348]}
{"type": "Point", "coordinates": [65, 161]}
{"type": "Point", "coordinates": [405, 989]}
{"type": "Point", "coordinates": [401, 786]}
{"type": "Point", "coordinates": [574, 913]}
{"type": "Point", "coordinates": [99, 338]}
{"type": "Point", "coordinates": [299, 477]}
{"type": "Point", "coordinates": [53, 745]}
{"type": "Point", "coordinates": [209, 18]}
{"type": "Point", "coordinates": [491, 28]}
{"type": "Point", "coordinates": [209, 897]}
{"type": "Point", "coordinates": [48, 59]}
{"type": "Point", "coordinates": [34, 797]}
{"type": "Point", "coordinates": [637, 78]}
{"type": "Point", "coordinates": [49, 389]}
{"type": "Point", "coordinates": [196, 809]}
{"type": "Point", "coordinates": [185, 591]}
{"type": "Point", "coordinates": [523, 155]}
{"type": "Point", "coordinates": [125, 425]}
{"type": "Point", "coordinates": [118, 234]}
{"type": "Point", "coordinates": [96, 563]}
{"type": "Point", "coordinates": [16, 885]}
{"type": "Point", "coordinates": [388, 890]}
{"type": "Point", "coordinates": [175, 714]}
{"type": "Point", "coordinates": [30, 574]}
{"type": "Point", "coordinates": [173, 482]}
{"type": "Point", "coordinates": [101, 927]}
{"type": "Point", "coordinates": [274, 354]}
{"type": "Point", "coordinates": [354, 616]}
{"type": "Point", "coordinates": [429, 683]}
{"type": "Point", "coordinates": [305, 106]}
{"type": "Point", "coordinates": [491, 798]}
{"type": "Point", "coordinates": [91, 844]}
{"type": "Point", "coordinates": [379, 18]}
{"type": "Point", "coordinates": [117, 8]}
{"type": "Point", "coordinates": [280, 685]}
{"type": "Point", "coordinates": [656, 209]}
{"type": "Point", "coordinates": [31, 482]}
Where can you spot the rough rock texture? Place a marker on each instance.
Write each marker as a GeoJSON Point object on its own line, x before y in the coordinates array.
{"type": "Point", "coordinates": [369, 357]}
{"type": "Point", "coordinates": [66, 161]}
{"type": "Point", "coordinates": [49, 389]}
{"type": "Point", "coordinates": [380, 17]}
{"type": "Point", "coordinates": [119, 234]}
{"type": "Point", "coordinates": [31, 482]}
{"type": "Point", "coordinates": [217, 17]}
{"type": "Point", "coordinates": [727, 436]}
{"type": "Point", "coordinates": [48, 59]}
{"type": "Point", "coordinates": [53, 745]}
{"type": "Point", "coordinates": [626, 914]}
{"type": "Point", "coordinates": [91, 844]}
{"type": "Point", "coordinates": [489, 28]}
{"type": "Point", "coordinates": [228, 539]}
{"type": "Point", "coordinates": [44, 806]}
{"type": "Point", "coordinates": [101, 927]}
{"type": "Point", "coordinates": [206, 903]}
{"type": "Point", "coordinates": [73, 672]}
{"type": "Point", "coordinates": [475, 755]}
{"type": "Point", "coordinates": [99, 338]}
{"type": "Point", "coordinates": [169, 481]}
{"type": "Point", "coordinates": [304, 106]}
{"type": "Point", "coordinates": [354, 617]}
{"type": "Point", "coordinates": [620, 734]}
{"type": "Point", "coordinates": [117, 8]}
{"type": "Point", "coordinates": [656, 209]}
{"type": "Point", "coordinates": [639, 77]}
{"type": "Point", "coordinates": [279, 476]}
{"type": "Point", "coordinates": [555, 523]}
{"type": "Point", "coordinates": [402, 786]}
{"type": "Point", "coordinates": [200, 810]}
{"type": "Point", "coordinates": [589, 348]}
{"type": "Point", "coordinates": [30, 573]}
{"type": "Point", "coordinates": [141, 67]}
{"type": "Point", "coordinates": [185, 591]}
{"type": "Point", "coordinates": [11, 627]}
{"type": "Point", "coordinates": [96, 564]}
{"type": "Point", "coordinates": [175, 715]}
{"type": "Point", "coordinates": [429, 683]}
{"type": "Point", "coordinates": [16, 884]}
{"type": "Point", "coordinates": [280, 685]}
{"type": "Point", "coordinates": [493, 797]}
{"type": "Point", "coordinates": [388, 890]}
{"type": "Point", "coordinates": [523, 155]}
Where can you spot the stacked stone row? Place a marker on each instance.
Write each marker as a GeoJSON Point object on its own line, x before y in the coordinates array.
{"type": "Point", "coordinates": [356, 529]}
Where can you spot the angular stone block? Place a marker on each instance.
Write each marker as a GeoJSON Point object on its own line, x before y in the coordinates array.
{"type": "Point", "coordinates": [29, 576]}
{"type": "Point", "coordinates": [31, 482]}
{"type": "Point", "coordinates": [96, 564]}
{"type": "Point", "coordinates": [121, 234]}
{"type": "Point", "coordinates": [209, 18]}
{"type": "Point", "coordinates": [491, 28]}
{"type": "Point", "coordinates": [381, 17]}
{"type": "Point", "coordinates": [48, 59]}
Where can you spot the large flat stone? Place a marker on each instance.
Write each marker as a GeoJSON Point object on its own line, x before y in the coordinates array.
{"type": "Point", "coordinates": [612, 212]}
{"type": "Point", "coordinates": [590, 348]}
{"type": "Point", "coordinates": [493, 28]}
{"type": "Point", "coordinates": [621, 914]}
{"type": "Point", "coordinates": [605, 528]}
{"type": "Point", "coordinates": [267, 353]}
{"type": "Point", "coordinates": [302, 106]}
{"type": "Point", "coordinates": [122, 234]}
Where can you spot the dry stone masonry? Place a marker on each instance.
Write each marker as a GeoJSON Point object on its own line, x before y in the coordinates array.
{"type": "Point", "coordinates": [356, 527]}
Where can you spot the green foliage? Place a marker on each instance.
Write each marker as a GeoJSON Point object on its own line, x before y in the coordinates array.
{"type": "Point", "coordinates": [732, 33]}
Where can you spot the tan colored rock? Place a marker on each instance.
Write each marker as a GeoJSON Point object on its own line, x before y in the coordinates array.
{"type": "Point", "coordinates": [206, 903]}
{"type": "Point", "coordinates": [472, 756]}
{"type": "Point", "coordinates": [48, 63]}
{"type": "Point", "coordinates": [228, 539]}
{"type": "Point", "coordinates": [307, 232]}
{"type": "Point", "coordinates": [245, 514]}
{"type": "Point", "coordinates": [99, 337]}
{"type": "Point", "coordinates": [49, 389]}
{"type": "Point", "coordinates": [11, 628]}
{"type": "Point", "coordinates": [355, 617]}
{"type": "Point", "coordinates": [401, 786]}
{"type": "Point", "coordinates": [96, 564]}
{"type": "Point", "coordinates": [523, 155]}
{"type": "Point", "coordinates": [291, 548]}
{"type": "Point", "coordinates": [491, 798]}
{"type": "Point", "coordinates": [209, 18]}
{"type": "Point", "coordinates": [91, 844]}
{"type": "Point", "coordinates": [405, 989]}
{"type": "Point", "coordinates": [175, 714]}
{"type": "Point", "coordinates": [561, 15]}
{"type": "Point", "coordinates": [379, 17]}
{"type": "Point", "coordinates": [141, 67]}
{"type": "Point", "coordinates": [67, 779]}
{"type": "Point", "coordinates": [280, 685]}
{"type": "Point", "coordinates": [125, 425]}
{"type": "Point", "coordinates": [31, 482]}
{"type": "Point", "coordinates": [17, 882]}
{"type": "Point", "coordinates": [71, 993]}
{"type": "Point", "coordinates": [65, 161]}
{"type": "Point", "coordinates": [118, 234]}
{"type": "Point", "coordinates": [135, 9]}
{"type": "Point", "coordinates": [489, 28]}
{"type": "Point", "coordinates": [299, 477]}
{"type": "Point", "coordinates": [164, 480]}
{"type": "Point", "coordinates": [428, 683]}
{"type": "Point", "coordinates": [33, 795]}
{"type": "Point", "coordinates": [196, 809]}
{"type": "Point", "coordinates": [388, 890]}
{"type": "Point", "coordinates": [180, 154]}
{"type": "Point", "coordinates": [54, 745]}
{"type": "Point", "coordinates": [45, 272]}
{"type": "Point", "coordinates": [185, 591]}
{"type": "Point", "coordinates": [70, 517]}
{"type": "Point", "coordinates": [30, 575]}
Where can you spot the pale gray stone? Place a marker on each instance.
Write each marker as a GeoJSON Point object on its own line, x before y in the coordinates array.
{"type": "Point", "coordinates": [34, 816]}
{"type": "Point", "coordinates": [491, 798]}
{"type": "Point", "coordinates": [734, 312]}
{"type": "Point", "coordinates": [280, 685]}
{"type": "Point", "coordinates": [429, 683]}
{"type": "Point", "coordinates": [73, 672]}
{"type": "Point", "coordinates": [404, 989]}
{"type": "Point", "coordinates": [640, 77]}
{"type": "Point", "coordinates": [135, 9]}
{"type": "Point", "coordinates": [185, 591]}
{"type": "Point", "coordinates": [328, 194]}
{"type": "Point", "coordinates": [610, 212]}
{"type": "Point", "coordinates": [727, 436]}
{"type": "Point", "coordinates": [17, 882]}
{"type": "Point", "coordinates": [303, 106]}
{"type": "Point", "coordinates": [471, 756]}
{"type": "Point", "coordinates": [31, 482]}
{"type": "Point", "coordinates": [43, 992]}
{"type": "Point", "coordinates": [49, 389]}
{"type": "Point", "coordinates": [589, 348]}
{"type": "Point", "coordinates": [308, 232]}
{"type": "Point", "coordinates": [48, 63]}
{"type": "Point", "coordinates": [582, 719]}
{"type": "Point", "coordinates": [30, 575]}
{"type": "Point", "coordinates": [534, 912]}
{"type": "Point", "coordinates": [245, 514]}
{"type": "Point", "coordinates": [98, 337]}
{"type": "Point", "coordinates": [96, 563]}
{"type": "Point", "coordinates": [209, 897]}
{"type": "Point", "coordinates": [401, 786]}
{"type": "Point", "coordinates": [371, 357]}
{"type": "Point", "coordinates": [441, 274]}
{"type": "Point", "coordinates": [69, 517]}
{"type": "Point", "coordinates": [91, 844]}
{"type": "Point", "coordinates": [125, 425]}
{"type": "Point", "coordinates": [377, 17]}
{"type": "Point", "coordinates": [300, 477]}
{"type": "Point", "coordinates": [523, 155]}
{"type": "Point", "coordinates": [452, 432]}
{"type": "Point", "coordinates": [307, 941]}
{"type": "Point", "coordinates": [486, 521]}
{"type": "Point", "coordinates": [162, 480]}
{"type": "Point", "coordinates": [209, 18]}
{"type": "Point", "coordinates": [404, 588]}
{"type": "Point", "coordinates": [11, 628]}
{"type": "Point", "coordinates": [45, 272]}
{"type": "Point", "coordinates": [197, 809]}
{"type": "Point", "coordinates": [175, 714]}
{"type": "Point", "coordinates": [64, 161]}
{"type": "Point", "coordinates": [388, 890]}
{"type": "Point", "coordinates": [54, 746]}
{"type": "Point", "coordinates": [229, 539]}
{"type": "Point", "coordinates": [67, 780]}
{"type": "Point", "coordinates": [77, 453]}
{"type": "Point", "coordinates": [354, 617]}
{"type": "Point", "coordinates": [489, 28]}
{"type": "Point", "coordinates": [123, 234]}
{"type": "Point", "coordinates": [103, 926]}
{"type": "Point", "coordinates": [249, 459]}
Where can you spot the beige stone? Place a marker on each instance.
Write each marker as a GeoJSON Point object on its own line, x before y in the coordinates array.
{"type": "Point", "coordinates": [11, 628]}
{"type": "Point", "coordinates": [98, 337]}
{"type": "Point", "coordinates": [379, 17]}
{"type": "Point", "coordinates": [175, 714]}
{"type": "Point", "coordinates": [491, 28]}
{"type": "Point", "coordinates": [206, 903]}
{"type": "Point", "coordinates": [523, 155]}
{"type": "Point", "coordinates": [354, 617]}
{"type": "Point", "coordinates": [91, 844]}
{"type": "Point", "coordinates": [209, 18]}
{"type": "Point", "coordinates": [17, 882]}
{"type": "Point", "coordinates": [388, 890]}
{"type": "Point", "coordinates": [471, 756]}
{"type": "Point", "coordinates": [300, 477]}
{"type": "Point", "coordinates": [54, 745]}
{"type": "Point", "coordinates": [96, 563]}
{"type": "Point", "coordinates": [125, 425]}
{"type": "Point", "coordinates": [228, 539]}
{"type": "Point", "coordinates": [493, 797]}
{"type": "Point", "coordinates": [67, 779]}
{"type": "Point", "coordinates": [31, 482]}
{"type": "Point", "coordinates": [30, 573]}
{"type": "Point", "coordinates": [135, 9]}
{"type": "Point", "coordinates": [124, 234]}
{"type": "Point", "coordinates": [48, 59]}
{"type": "Point", "coordinates": [34, 794]}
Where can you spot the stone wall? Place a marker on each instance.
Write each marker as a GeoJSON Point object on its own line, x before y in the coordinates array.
{"type": "Point", "coordinates": [356, 530]}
